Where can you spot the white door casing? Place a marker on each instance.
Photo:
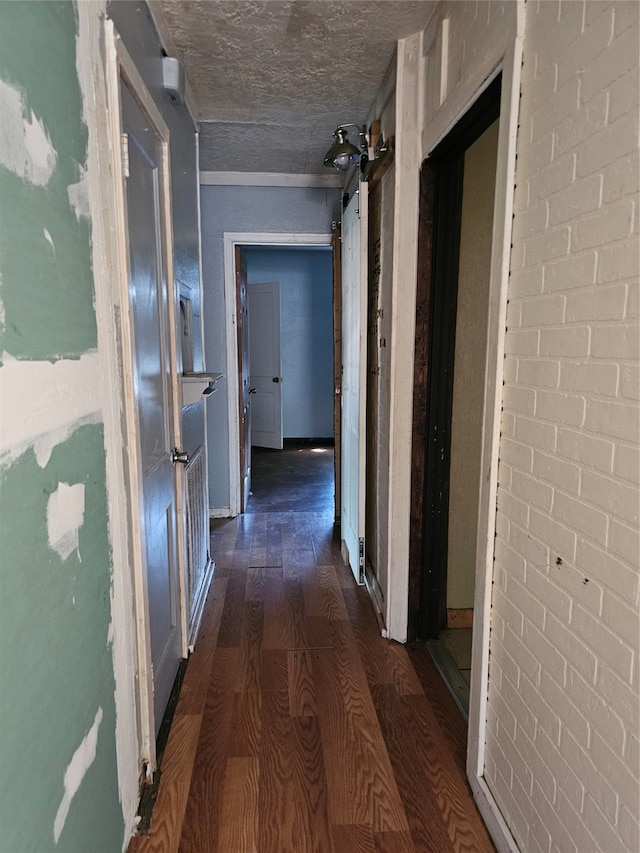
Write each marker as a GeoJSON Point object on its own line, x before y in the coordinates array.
{"type": "Point", "coordinates": [354, 363]}
{"type": "Point", "coordinates": [151, 394]}
{"type": "Point", "coordinates": [265, 365]}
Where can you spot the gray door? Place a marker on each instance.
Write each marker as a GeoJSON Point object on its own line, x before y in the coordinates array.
{"type": "Point", "coordinates": [266, 369]}
{"type": "Point", "coordinates": [148, 290]}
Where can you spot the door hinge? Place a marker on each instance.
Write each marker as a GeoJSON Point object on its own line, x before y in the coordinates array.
{"type": "Point", "coordinates": [124, 149]}
{"type": "Point", "coordinates": [361, 560]}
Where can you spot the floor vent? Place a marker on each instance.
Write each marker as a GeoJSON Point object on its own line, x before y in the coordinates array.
{"type": "Point", "coordinates": [197, 534]}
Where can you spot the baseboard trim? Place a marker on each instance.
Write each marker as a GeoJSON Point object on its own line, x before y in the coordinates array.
{"type": "Point", "coordinates": [455, 683]}
{"type": "Point", "coordinates": [375, 594]}
{"type": "Point", "coordinates": [194, 627]}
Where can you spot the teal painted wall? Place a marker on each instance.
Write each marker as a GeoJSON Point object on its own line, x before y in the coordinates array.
{"type": "Point", "coordinates": [46, 283]}
{"type": "Point", "coordinates": [56, 670]}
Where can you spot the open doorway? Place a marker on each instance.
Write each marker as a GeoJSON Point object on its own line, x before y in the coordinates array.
{"type": "Point", "coordinates": [288, 331]}
{"type": "Point", "coordinates": [456, 231]}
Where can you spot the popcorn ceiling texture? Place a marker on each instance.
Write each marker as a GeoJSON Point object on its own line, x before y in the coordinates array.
{"type": "Point", "coordinates": [273, 79]}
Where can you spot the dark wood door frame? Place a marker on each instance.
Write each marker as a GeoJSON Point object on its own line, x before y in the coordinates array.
{"type": "Point", "coordinates": [441, 181]}
{"type": "Point", "coordinates": [244, 413]}
{"type": "Point", "coordinates": [336, 244]}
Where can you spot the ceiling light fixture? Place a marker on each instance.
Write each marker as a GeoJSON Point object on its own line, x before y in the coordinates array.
{"type": "Point", "coordinates": [343, 153]}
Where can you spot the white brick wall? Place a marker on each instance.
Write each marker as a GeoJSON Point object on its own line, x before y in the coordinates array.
{"type": "Point", "coordinates": [563, 715]}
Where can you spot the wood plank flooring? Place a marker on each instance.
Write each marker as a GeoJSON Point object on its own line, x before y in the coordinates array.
{"type": "Point", "coordinates": [298, 728]}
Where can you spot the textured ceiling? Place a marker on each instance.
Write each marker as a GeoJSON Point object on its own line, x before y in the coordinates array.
{"type": "Point", "coordinates": [272, 79]}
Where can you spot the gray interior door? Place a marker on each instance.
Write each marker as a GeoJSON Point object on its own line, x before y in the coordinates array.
{"type": "Point", "coordinates": [266, 369]}
{"type": "Point", "coordinates": [148, 289]}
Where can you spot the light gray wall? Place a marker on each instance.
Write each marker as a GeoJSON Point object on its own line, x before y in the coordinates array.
{"type": "Point", "coordinates": [274, 210]}
{"type": "Point", "coordinates": [306, 314]}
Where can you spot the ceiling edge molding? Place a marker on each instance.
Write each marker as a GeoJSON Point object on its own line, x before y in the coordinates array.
{"type": "Point", "coordinates": [268, 179]}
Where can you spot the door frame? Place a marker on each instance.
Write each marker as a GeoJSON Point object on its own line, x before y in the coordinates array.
{"type": "Point", "coordinates": [445, 169]}
{"type": "Point", "coordinates": [508, 64]}
{"type": "Point", "coordinates": [231, 240]}
{"type": "Point", "coordinates": [119, 66]}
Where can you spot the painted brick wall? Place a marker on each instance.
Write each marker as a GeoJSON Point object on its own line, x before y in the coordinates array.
{"type": "Point", "coordinates": [562, 738]}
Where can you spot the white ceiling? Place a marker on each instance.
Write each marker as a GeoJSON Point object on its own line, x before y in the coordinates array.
{"type": "Point", "coordinates": [273, 78]}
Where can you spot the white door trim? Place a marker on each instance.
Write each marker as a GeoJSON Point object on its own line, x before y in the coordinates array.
{"type": "Point", "coordinates": [498, 284]}
{"type": "Point", "coordinates": [409, 100]}
{"type": "Point", "coordinates": [119, 65]}
{"type": "Point", "coordinates": [231, 240]}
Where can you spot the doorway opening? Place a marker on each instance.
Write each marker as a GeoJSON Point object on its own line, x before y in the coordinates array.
{"type": "Point", "coordinates": [457, 200]}
{"type": "Point", "coordinates": [289, 348]}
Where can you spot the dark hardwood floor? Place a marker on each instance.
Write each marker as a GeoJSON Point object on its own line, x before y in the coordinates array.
{"type": "Point", "coordinates": [298, 728]}
{"type": "Point", "coordinates": [298, 478]}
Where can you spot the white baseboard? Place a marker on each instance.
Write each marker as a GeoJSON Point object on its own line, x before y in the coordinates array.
{"type": "Point", "coordinates": [375, 594]}
{"type": "Point", "coordinates": [194, 627]}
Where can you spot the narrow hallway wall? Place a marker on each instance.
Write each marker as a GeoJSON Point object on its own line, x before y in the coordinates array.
{"type": "Point", "coordinates": [58, 773]}
{"type": "Point", "coordinates": [563, 699]}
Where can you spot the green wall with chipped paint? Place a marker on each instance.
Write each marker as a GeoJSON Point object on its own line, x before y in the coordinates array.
{"type": "Point", "coordinates": [56, 668]}
{"type": "Point", "coordinates": [46, 290]}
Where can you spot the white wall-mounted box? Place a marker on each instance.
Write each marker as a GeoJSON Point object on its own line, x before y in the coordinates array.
{"type": "Point", "coordinates": [197, 385]}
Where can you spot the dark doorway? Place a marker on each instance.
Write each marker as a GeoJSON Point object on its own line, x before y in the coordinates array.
{"type": "Point", "coordinates": [451, 327]}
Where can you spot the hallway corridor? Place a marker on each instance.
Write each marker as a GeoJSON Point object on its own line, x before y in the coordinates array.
{"type": "Point", "coordinates": [298, 727]}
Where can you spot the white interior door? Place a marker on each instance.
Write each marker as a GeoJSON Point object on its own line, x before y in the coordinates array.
{"type": "Point", "coordinates": [265, 365]}
{"type": "Point", "coordinates": [354, 363]}
{"type": "Point", "coordinates": [150, 295]}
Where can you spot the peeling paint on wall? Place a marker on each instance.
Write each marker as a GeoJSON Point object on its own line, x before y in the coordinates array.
{"type": "Point", "coordinates": [48, 296]}
{"type": "Point", "coordinates": [83, 758]}
{"type": "Point", "coordinates": [79, 196]}
{"type": "Point", "coordinates": [25, 146]}
{"type": "Point", "coordinates": [49, 239]}
{"type": "Point", "coordinates": [44, 403]}
{"type": "Point", "coordinates": [55, 613]}
{"type": "Point", "coordinates": [65, 517]}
